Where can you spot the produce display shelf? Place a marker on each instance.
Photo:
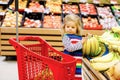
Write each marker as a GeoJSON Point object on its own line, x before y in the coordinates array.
{"type": "Point", "coordinates": [53, 36]}
{"type": "Point", "coordinates": [91, 73]}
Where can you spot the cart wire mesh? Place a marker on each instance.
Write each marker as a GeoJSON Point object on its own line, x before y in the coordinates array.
{"type": "Point", "coordinates": [38, 60]}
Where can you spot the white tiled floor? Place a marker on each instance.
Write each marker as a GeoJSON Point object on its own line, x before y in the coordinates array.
{"type": "Point", "coordinates": [8, 69]}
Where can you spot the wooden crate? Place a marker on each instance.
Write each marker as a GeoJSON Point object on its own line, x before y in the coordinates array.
{"type": "Point", "coordinates": [92, 74]}
{"type": "Point", "coordinates": [52, 36]}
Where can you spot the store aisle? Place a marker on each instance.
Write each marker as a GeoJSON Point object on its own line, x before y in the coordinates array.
{"type": "Point", "coordinates": [8, 69]}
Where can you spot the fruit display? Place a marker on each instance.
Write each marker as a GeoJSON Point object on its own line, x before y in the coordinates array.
{"type": "Point", "coordinates": [4, 1]}
{"type": "Point", "coordinates": [91, 47]}
{"type": "Point", "coordinates": [103, 66]}
{"type": "Point", "coordinates": [93, 16]}
{"type": "Point", "coordinates": [32, 20]}
{"type": "Point", "coordinates": [113, 72]}
{"type": "Point", "coordinates": [87, 9]}
{"type": "Point", "coordinates": [21, 7]}
{"type": "Point", "coordinates": [54, 6]}
{"type": "Point", "coordinates": [52, 21]}
{"type": "Point", "coordinates": [10, 19]}
{"type": "Point", "coordinates": [35, 6]}
{"type": "Point", "coordinates": [31, 23]}
{"type": "Point", "coordinates": [107, 63]}
{"type": "Point", "coordinates": [116, 10]}
{"type": "Point", "coordinates": [106, 18]}
{"type": "Point", "coordinates": [91, 23]}
{"type": "Point", "coordinates": [70, 8]}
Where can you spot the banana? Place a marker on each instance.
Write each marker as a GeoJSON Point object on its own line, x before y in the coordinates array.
{"type": "Point", "coordinates": [96, 45]}
{"type": "Point", "coordinates": [116, 56]}
{"type": "Point", "coordinates": [92, 47]}
{"type": "Point", "coordinates": [98, 52]}
{"type": "Point", "coordinates": [88, 47]}
{"type": "Point", "coordinates": [106, 58]}
{"type": "Point", "coordinates": [119, 49]}
{"type": "Point", "coordinates": [114, 42]}
{"type": "Point", "coordinates": [100, 66]}
{"type": "Point", "coordinates": [115, 29]}
{"type": "Point", "coordinates": [84, 48]}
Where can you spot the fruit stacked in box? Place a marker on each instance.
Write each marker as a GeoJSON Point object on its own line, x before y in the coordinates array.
{"type": "Point", "coordinates": [88, 9]}
{"type": "Point", "coordinates": [70, 8]}
{"type": "Point", "coordinates": [54, 6]}
{"type": "Point", "coordinates": [91, 23]}
{"type": "Point", "coordinates": [116, 10]}
{"type": "Point", "coordinates": [89, 17]}
{"type": "Point", "coordinates": [32, 20]}
{"type": "Point", "coordinates": [10, 19]}
{"type": "Point", "coordinates": [93, 17]}
{"type": "Point", "coordinates": [52, 21]}
{"type": "Point", "coordinates": [106, 18]}
{"type": "Point", "coordinates": [22, 5]}
{"type": "Point", "coordinates": [103, 52]}
{"type": "Point", "coordinates": [35, 6]}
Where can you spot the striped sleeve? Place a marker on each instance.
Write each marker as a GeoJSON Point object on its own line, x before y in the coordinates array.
{"type": "Point", "coordinates": [69, 46]}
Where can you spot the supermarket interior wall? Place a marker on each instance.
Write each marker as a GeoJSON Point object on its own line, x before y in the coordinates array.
{"type": "Point", "coordinates": [44, 18]}
{"type": "Point", "coordinates": [94, 14]}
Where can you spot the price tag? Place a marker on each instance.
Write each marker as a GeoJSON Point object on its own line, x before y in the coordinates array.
{"type": "Point", "coordinates": [28, 10]}
{"type": "Point", "coordinates": [113, 1]}
{"type": "Point", "coordinates": [66, 1]}
{"type": "Point", "coordinates": [96, 1]}
{"type": "Point", "coordinates": [2, 13]}
{"type": "Point", "coordinates": [47, 10]}
{"type": "Point", "coordinates": [84, 1]}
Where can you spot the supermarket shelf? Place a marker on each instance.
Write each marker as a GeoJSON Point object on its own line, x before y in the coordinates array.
{"type": "Point", "coordinates": [90, 72]}
{"type": "Point", "coordinates": [52, 36]}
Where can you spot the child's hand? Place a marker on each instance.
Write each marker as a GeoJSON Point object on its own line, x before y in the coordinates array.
{"type": "Point", "coordinates": [88, 35]}
{"type": "Point", "coordinates": [84, 40]}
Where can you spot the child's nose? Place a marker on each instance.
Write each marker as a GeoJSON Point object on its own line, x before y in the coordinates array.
{"type": "Point", "coordinates": [70, 28]}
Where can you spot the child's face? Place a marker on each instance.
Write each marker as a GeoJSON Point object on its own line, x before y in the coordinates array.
{"type": "Point", "coordinates": [70, 28]}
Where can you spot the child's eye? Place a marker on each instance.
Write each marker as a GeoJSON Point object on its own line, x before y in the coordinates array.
{"type": "Point", "coordinates": [67, 26]}
{"type": "Point", "coordinates": [73, 27]}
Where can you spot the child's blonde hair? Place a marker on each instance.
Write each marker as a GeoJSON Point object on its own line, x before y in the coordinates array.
{"type": "Point", "coordinates": [75, 18]}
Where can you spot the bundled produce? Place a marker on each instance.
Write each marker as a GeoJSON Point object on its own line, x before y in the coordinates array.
{"type": "Point", "coordinates": [112, 39]}
{"type": "Point", "coordinates": [91, 47]}
{"type": "Point", "coordinates": [106, 58]}
{"type": "Point", "coordinates": [106, 61]}
{"type": "Point", "coordinates": [116, 29]}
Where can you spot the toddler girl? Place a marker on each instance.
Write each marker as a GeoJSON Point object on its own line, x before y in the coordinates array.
{"type": "Point", "coordinates": [72, 39]}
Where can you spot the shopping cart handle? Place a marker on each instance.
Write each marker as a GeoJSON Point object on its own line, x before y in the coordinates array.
{"type": "Point", "coordinates": [24, 38]}
{"type": "Point", "coordinates": [14, 42]}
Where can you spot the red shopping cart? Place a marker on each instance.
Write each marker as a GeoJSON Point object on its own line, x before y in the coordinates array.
{"type": "Point", "coordinates": [37, 60]}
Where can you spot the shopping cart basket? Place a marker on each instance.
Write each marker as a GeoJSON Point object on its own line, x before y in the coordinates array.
{"type": "Point", "coordinates": [37, 60]}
